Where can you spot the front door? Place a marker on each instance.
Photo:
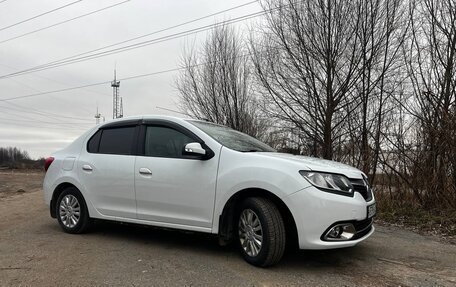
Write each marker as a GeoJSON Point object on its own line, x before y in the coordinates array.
{"type": "Point", "coordinates": [171, 187]}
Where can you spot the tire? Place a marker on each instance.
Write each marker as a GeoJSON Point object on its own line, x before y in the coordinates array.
{"type": "Point", "coordinates": [71, 211]}
{"type": "Point", "coordinates": [271, 228]}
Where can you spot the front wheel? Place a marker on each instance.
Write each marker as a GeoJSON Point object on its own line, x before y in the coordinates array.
{"type": "Point", "coordinates": [71, 211]}
{"type": "Point", "coordinates": [261, 232]}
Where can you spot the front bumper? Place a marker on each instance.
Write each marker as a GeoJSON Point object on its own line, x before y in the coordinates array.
{"type": "Point", "coordinates": [315, 211]}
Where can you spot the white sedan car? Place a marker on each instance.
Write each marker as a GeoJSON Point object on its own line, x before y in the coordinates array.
{"type": "Point", "coordinates": [199, 176]}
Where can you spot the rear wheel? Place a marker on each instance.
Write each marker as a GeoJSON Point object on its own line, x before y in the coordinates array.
{"type": "Point", "coordinates": [261, 232]}
{"type": "Point", "coordinates": [71, 211]}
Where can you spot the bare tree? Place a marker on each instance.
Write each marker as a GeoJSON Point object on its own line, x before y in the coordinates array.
{"type": "Point", "coordinates": [216, 83]}
{"type": "Point", "coordinates": [307, 62]}
{"type": "Point", "coordinates": [430, 56]}
{"type": "Point", "coordinates": [382, 31]}
{"type": "Point", "coordinates": [329, 69]}
{"type": "Point", "coordinates": [12, 154]}
{"type": "Point", "coordinates": [368, 82]}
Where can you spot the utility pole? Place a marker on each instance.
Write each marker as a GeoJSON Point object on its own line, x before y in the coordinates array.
{"type": "Point", "coordinates": [121, 108]}
{"type": "Point", "coordinates": [97, 117]}
{"type": "Point", "coordinates": [116, 101]}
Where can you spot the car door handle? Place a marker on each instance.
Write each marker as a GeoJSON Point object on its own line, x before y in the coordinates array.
{"type": "Point", "coordinates": [87, 167]}
{"type": "Point", "coordinates": [145, 171]}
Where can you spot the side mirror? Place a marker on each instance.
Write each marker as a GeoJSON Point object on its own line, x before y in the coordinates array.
{"type": "Point", "coordinates": [194, 148]}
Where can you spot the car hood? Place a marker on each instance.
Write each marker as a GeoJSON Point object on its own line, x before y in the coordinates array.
{"type": "Point", "coordinates": [317, 164]}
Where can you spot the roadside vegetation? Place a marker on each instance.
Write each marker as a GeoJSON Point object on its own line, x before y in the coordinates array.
{"type": "Point", "coordinates": [370, 83]}
{"type": "Point", "coordinates": [15, 158]}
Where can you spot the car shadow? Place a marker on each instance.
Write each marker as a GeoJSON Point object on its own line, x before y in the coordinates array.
{"type": "Point", "coordinates": [169, 238]}
{"type": "Point", "coordinates": [207, 244]}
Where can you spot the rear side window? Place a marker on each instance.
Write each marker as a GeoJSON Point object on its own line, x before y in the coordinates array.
{"type": "Point", "coordinates": [165, 142]}
{"type": "Point", "coordinates": [117, 141]}
{"type": "Point", "coordinates": [94, 142]}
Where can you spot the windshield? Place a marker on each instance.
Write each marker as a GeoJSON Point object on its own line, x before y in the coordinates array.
{"type": "Point", "coordinates": [231, 138]}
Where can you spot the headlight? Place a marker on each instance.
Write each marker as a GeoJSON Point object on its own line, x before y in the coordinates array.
{"type": "Point", "coordinates": [330, 182]}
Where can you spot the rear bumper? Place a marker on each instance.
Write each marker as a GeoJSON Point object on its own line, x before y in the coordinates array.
{"type": "Point", "coordinates": [315, 212]}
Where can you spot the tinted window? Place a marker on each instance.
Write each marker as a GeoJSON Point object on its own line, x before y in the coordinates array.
{"type": "Point", "coordinates": [165, 142]}
{"type": "Point", "coordinates": [231, 138]}
{"type": "Point", "coordinates": [92, 145]}
{"type": "Point", "coordinates": [117, 141]}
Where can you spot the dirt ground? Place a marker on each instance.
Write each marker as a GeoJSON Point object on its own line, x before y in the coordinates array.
{"type": "Point", "coordinates": [15, 182]}
{"type": "Point", "coordinates": [35, 252]}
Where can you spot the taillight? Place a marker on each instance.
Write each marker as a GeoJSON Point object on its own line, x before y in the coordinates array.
{"type": "Point", "coordinates": [47, 162]}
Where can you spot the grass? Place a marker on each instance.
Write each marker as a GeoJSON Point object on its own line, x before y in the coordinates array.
{"type": "Point", "coordinates": [408, 213]}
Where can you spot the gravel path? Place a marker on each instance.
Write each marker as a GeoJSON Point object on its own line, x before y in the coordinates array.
{"type": "Point", "coordinates": [35, 252]}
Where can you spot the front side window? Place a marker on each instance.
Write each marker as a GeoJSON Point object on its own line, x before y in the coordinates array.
{"type": "Point", "coordinates": [165, 142]}
{"type": "Point", "coordinates": [231, 138]}
{"type": "Point", "coordinates": [117, 141]}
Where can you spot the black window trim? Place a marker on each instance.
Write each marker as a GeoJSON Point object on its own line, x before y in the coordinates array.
{"type": "Point", "coordinates": [172, 125]}
{"type": "Point", "coordinates": [123, 123]}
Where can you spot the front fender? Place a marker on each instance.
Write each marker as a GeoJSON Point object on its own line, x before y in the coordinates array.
{"type": "Point", "coordinates": [239, 171]}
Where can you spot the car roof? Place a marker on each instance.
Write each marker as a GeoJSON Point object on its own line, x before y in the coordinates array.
{"type": "Point", "coordinates": [132, 119]}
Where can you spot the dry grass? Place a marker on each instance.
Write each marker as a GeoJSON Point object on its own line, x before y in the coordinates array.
{"type": "Point", "coordinates": [401, 208]}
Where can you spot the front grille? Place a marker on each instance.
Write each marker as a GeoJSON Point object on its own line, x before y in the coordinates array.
{"type": "Point", "coordinates": [361, 186]}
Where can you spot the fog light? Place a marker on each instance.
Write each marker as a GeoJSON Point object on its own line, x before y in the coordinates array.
{"type": "Point", "coordinates": [340, 232]}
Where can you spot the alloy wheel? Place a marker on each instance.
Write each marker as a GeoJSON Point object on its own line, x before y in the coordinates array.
{"type": "Point", "coordinates": [250, 232]}
{"type": "Point", "coordinates": [69, 211]}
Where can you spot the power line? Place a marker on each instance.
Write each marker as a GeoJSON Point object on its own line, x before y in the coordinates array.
{"type": "Point", "coordinates": [130, 47]}
{"type": "Point", "coordinates": [124, 79]}
{"type": "Point", "coordinates": [44, 122]}
{"type": "Point", "coordinates": [28, 119]}
{"type": "Point", "coordinates": [135, 46]}
{"type": "Point", "coordinates": [38, 112]}
{"type": "Point", "coordinates": [194, 20]}
{"type": "Point", "coordinates": [39, 15]}
{"type": "Point", "coordinates": [44, 127]}
{"type": "Point", "coordinates": [22, 109]}
{"type": "Point", "coordinates": [144, 35]}
{"type": "Point", "coordinates": [63, 22]}
{"type": "Point", "coordinates": [134, 38]}
{"type": "Point", "coordinates": [106, 82]}
{"type": "Point", "coordinates": [57, 122]}
{"type": "Point", "coordinates": [137, 76]}
{"type": "Point", "coordinates": [35, 111]}
{"type": "Point", "coordinates": [58, 82]}
{"type": "Point", "coordinates": [55, 91]}
{"type": "Point", "coordinates": [171, 110]}
{"type": "Point", "coordinates": [74, 59]}
{"type": "Point", "coordinates": [88, 85]}
{"type": "Point", "coordinates": [156, 32]}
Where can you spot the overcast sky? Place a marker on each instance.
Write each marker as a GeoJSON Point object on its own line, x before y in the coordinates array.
{"type": "Point", "coordinates": [43, 124]}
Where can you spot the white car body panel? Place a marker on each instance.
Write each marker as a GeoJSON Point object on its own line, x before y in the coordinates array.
{"type": "Point", "coordinates": [179, 191]}
{"type": "Point", "coordinates": [112, 176]}
{"type": "Point", "coordinates": [191, 194]}
{"type": "Point", "coordinates": [322, 210]}
{"type": "Point", "coordinates": [239, 171]}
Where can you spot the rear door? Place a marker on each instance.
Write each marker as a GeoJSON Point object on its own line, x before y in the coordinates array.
{"type": "Point", "coordinates": [106, 169]}
{"type": "Point", "coordinates": [171, 187]}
